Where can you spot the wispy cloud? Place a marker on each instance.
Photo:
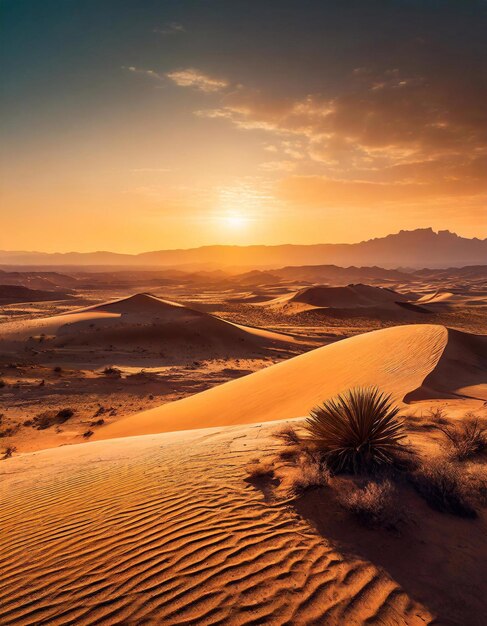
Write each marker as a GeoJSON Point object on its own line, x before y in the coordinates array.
{"type": "Point", "coordinates": [198, 80]}
{"type": "Point", "coordinates": [149, 73]}
{"type": "Point", "coordinates": [171, 28]}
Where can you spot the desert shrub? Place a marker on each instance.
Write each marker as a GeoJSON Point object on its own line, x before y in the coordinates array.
{"type": "Point", "coordinates": [288, 435]}
{"type": "Point", "coordinates": [49, 418]}
{"type": "Point", "coordinates": [374, 505]}
{"type": "Point", "coordinates": [88, 434]}
{"type": "Point", "coordinates": [438, 414]}
{"type": "Point", "coordinates": [308, 472]}
{"type": "Point", "coordinates": [9, 450]}
{"type": "Point", "coordinates": [465, 439]}
{"type": "Point", "coordinates": [112, 371]}
{"type": "Point", "coordinates": [58, 369]}
{"type": "Point", "coordinates": [259, 469]}
{"type": "Point", "coordinates": [477, 482]}
{"type": "Point", "coordinates": [2, 383]}
{"type": "Point", "coordinates": [99, 422]}
{"type": "Point", "coordinates": [446, 487]}
{"type": "Point", "coordinates": [357, 431]}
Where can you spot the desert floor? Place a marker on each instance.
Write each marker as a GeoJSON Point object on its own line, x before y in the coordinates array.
{"type": "Point", "coordinates": [132, 414]}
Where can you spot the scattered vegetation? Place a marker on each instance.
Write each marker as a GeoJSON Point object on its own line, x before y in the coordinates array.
{"type": "Point", "coordinates": [374, 505]}
{"type": "Point", "coordinates": [446, 487]}
{"type": "Point", "coordinates": [2, 383]}
{"type": "Point", "coordinates": [49, 418]}
{"type": "Point", "coordinates": [465, 439]}
{"type": "Point", "coordinates": [58, 369]}
{"type": "Point", "coordinates": [357, 431]}
{"type": "Point", "coordinates": [9, 431]}
{"type": "Point", "coordinates": [88, 434]}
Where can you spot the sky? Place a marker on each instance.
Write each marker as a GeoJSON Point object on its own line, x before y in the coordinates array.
{"type": "Point", "coordinates": [135, 125]}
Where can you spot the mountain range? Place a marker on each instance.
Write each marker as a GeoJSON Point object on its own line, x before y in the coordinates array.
{"type": "Point", "coordinates": [418, 248]}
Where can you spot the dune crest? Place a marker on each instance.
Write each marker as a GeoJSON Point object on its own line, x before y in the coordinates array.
{"type": "Point", "coordinates": [143, 319]}
{"type": "Point", "coordinates": [397, 359]}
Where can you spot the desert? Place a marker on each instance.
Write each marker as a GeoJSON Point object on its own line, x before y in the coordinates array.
{"type": "Point", "coordinates": [243, 313]}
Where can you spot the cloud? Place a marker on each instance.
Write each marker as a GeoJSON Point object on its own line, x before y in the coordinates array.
{"type": "Point", "coordinates": [171, 28]}
{"type": "Point", "coordinates": [278, 166]}
{"type": "Point", "coordinates": [198, 80]}
{"type": "Point", "coordinates": [385, 137]}
{"type": "Point", "coordinates": [143, 72]}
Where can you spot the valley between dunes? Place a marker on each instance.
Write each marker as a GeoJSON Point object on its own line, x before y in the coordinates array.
{"type": "Point", "coordinates": [157, 527]}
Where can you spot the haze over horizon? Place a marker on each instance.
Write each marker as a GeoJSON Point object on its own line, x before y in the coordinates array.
{"type": "Point", "coordinates": [139, 125]}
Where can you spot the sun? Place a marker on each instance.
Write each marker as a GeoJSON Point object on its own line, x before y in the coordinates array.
{"type": "Point", "coordinates": [235, 220]}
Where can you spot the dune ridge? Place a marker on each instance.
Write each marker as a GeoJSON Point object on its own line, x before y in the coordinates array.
{"type": "Point", "coordinates": [143, 319]}
{"type": "Point", "coordinates": [397, 359]}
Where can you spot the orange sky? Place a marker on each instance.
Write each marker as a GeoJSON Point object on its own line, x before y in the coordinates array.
{"type": "Point", "coordinates": [179, 135]}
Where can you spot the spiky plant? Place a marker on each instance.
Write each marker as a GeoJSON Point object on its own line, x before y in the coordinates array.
{"type": "Point", "coordinates": [357, 431]}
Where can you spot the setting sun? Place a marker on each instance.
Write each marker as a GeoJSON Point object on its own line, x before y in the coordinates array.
{"type": "Point", "coordinates": [235, 220]}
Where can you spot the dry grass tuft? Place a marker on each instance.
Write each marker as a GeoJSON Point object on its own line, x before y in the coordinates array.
{"type": "Point", "coordinates": [465, 439]}
{"type": "Point", "coordinates": [357, 431]}
{"type": "Point", "coordinates": [259, 469]}
{"type": "Point", "coordinates": [438, 415]}
{"type": "Point", "coordinates": [308, 472]}
{"type": "Point", "coordinates": [288, 435]}
{"type": "Point", "coordinates": [374, 505]}
{"type": "Point", "coordinates": [446, 487]}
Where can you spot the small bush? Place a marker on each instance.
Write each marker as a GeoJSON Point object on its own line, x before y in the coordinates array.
{"type": "Point", "coordinates": [9, 450]}
{"type": "Point", "coordinates": [259, 469]}
{"type": "Point", "coordinates": [114, 372]}
{"type": "Point", "coordinates": [2, 383]}
{"type": "Point", "coordinates": [58, 369]}
{"type": "Point", "coordinates": [49, 418]}
{"type": "Point", "coordinates": [438, 414]}
{"type": "Point", "coordinates": [288, 435]}
{"type": "Point", "coordinates": [446, 487]}
{"type": "Point", "coordinates": [88, 434]}
{"type": "Point", "coordinates": [466, 439]}
{"type": "Point", "coordinates": [308, 472]}
{"type": "Point", "coordinates": [374, 505]}
{"type": "Point", "coordinates": [357, 431]}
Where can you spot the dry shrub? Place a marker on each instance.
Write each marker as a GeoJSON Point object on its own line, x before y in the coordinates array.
{"type": "Point", "coordinates": [259, 469]}
{"type": "Point", "coordinates": [465, 439]}
{"type": "Point", "coordinates": [49, 418]}
{"type": "Point", "coordinates": [112, 372]}
{"type": "Point", "coordinates": [477, 481]}
{"type": "Point", "coordinates": [446, 487]}
{"type": "Point", "coordinates": [374, 505]}
{"type": "Point", "coordinates": [357, 431]}
{"type": "Point", "coordinates": [9, 450]}
{"type": "Point", "coordinates": [308, 472]}
{"type": "Point", "coordinates": [438, 415]}
{"type": "Point", "coordinates": [288, 435]}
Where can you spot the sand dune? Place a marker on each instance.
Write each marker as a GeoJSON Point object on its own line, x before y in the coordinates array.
{"type": "Point", "coordinates": [350, 298]}
{"type": "Point", "coordinates": [397, 359]}
{"type": "Point", "coordinates": [144, 320]}
{"type": "Point", "coordinates": [151, 530]}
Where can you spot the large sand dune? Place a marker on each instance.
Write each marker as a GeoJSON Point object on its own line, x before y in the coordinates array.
{"type": "Point", "coordinates": [397, 359]}
{"type": "Point", "coordinates": [144, 320]}
{"type": "Point", "coordinates": [347, 297]}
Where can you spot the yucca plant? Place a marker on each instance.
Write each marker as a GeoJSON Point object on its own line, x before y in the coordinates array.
{"type": "Point", "coordinates": [357, 431]}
